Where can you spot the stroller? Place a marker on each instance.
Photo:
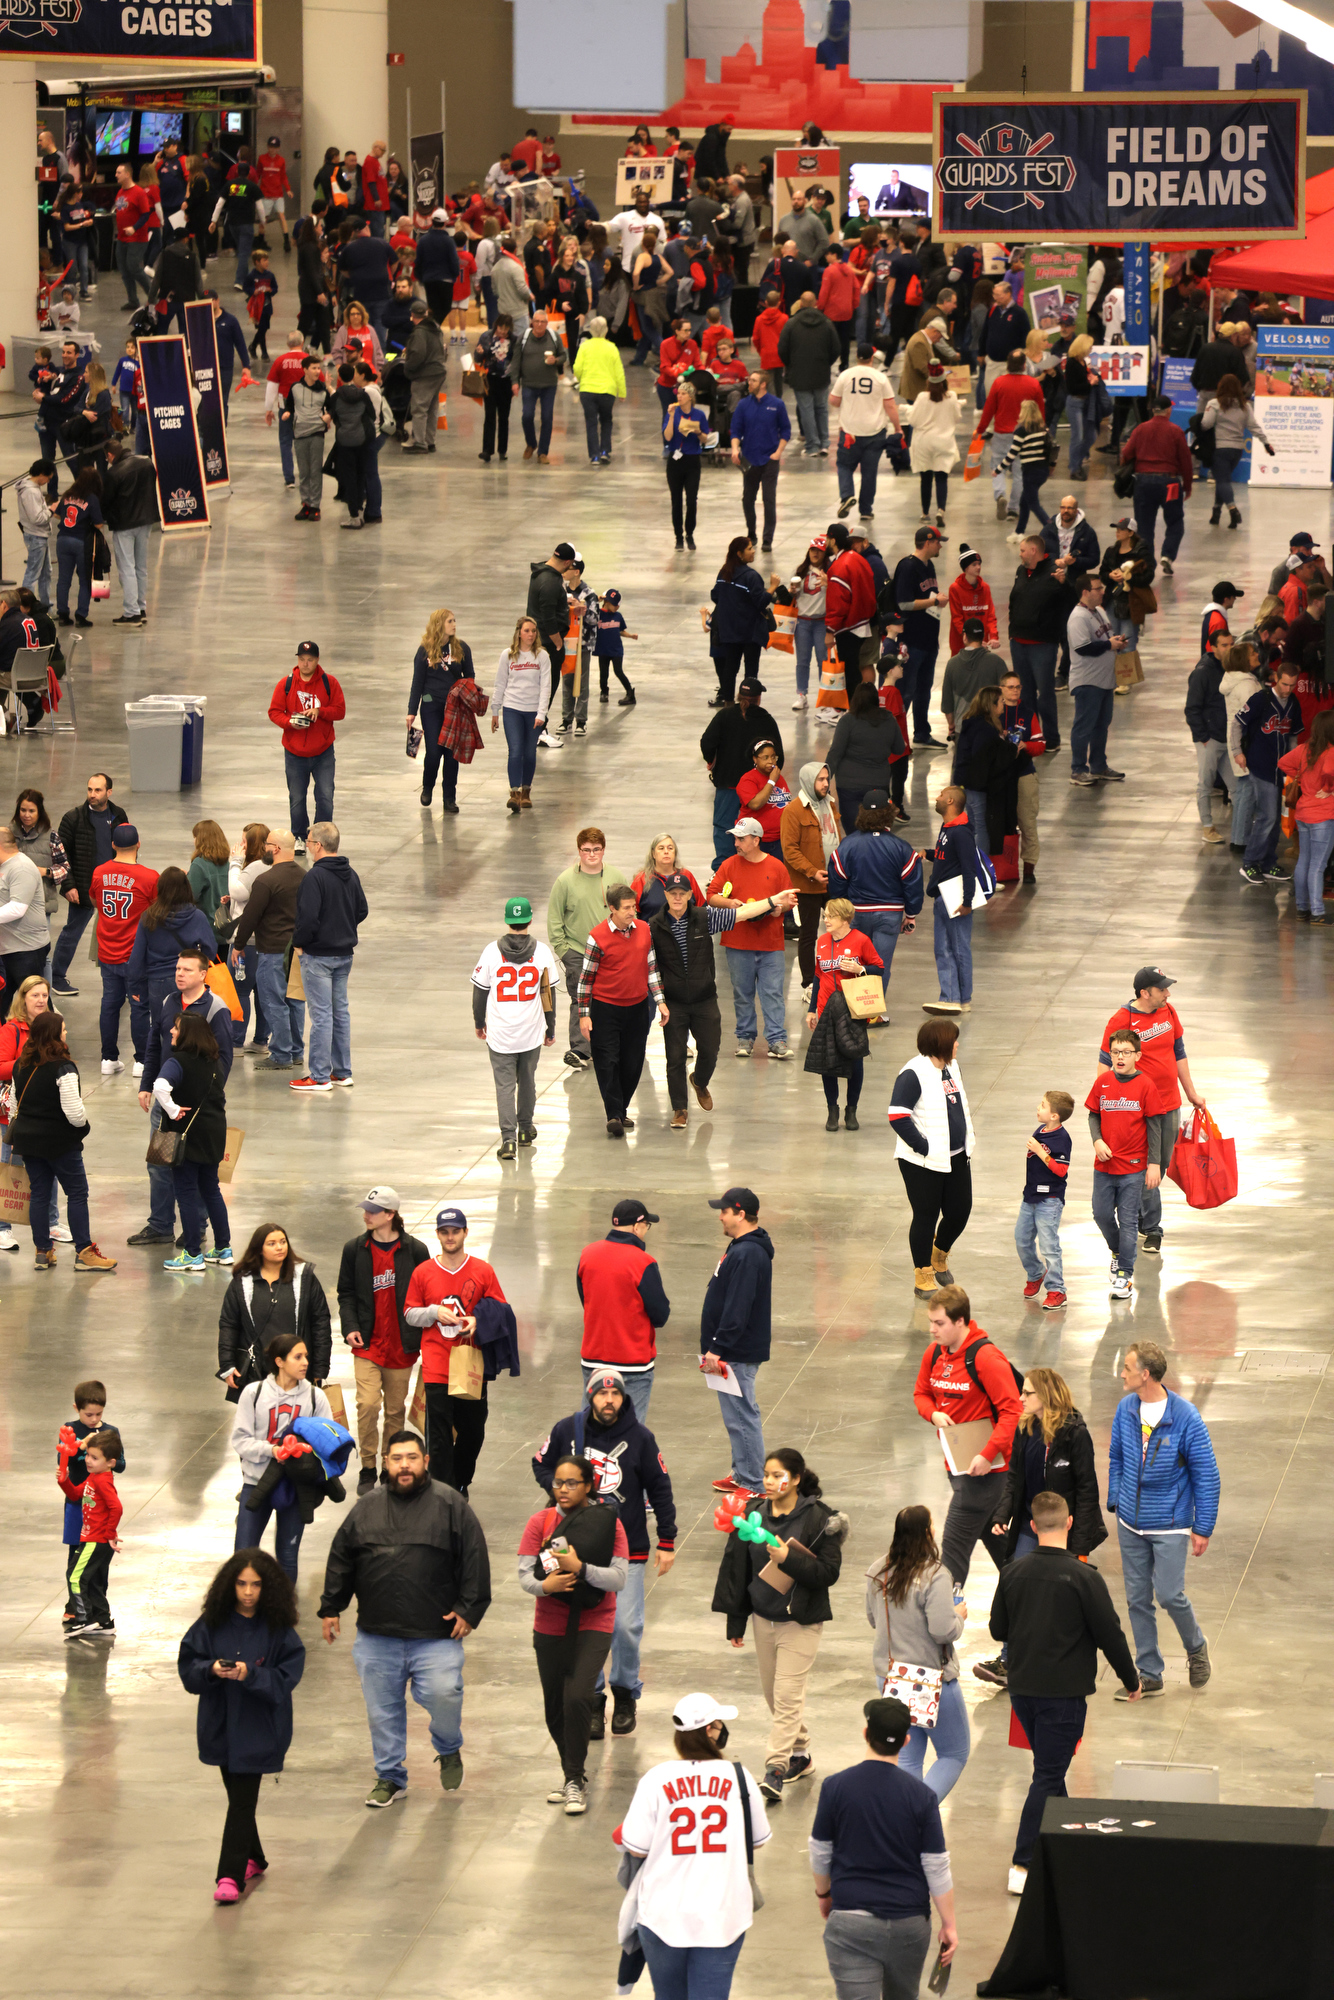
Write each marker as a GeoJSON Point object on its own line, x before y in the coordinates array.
{"type": "Point", "coordinates": [397, 392]}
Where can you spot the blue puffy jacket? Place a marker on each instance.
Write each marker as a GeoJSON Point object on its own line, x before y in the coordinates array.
{"type": "Point", "coordinates": [1172, 1484]}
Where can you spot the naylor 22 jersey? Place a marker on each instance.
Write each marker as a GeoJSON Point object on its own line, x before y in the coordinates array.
{"type": "Point", "coordinates": [686, 1818]}
{"type": "Point", "coordinates": [515, 1019]}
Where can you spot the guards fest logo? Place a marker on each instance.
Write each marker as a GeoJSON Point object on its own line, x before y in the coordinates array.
{"type": "Point", "coordinates": [213, 463]}
{"type": "Point", "coordinates": [1005, 170]}
{"type": "Point", "coordinates": [182, 502]}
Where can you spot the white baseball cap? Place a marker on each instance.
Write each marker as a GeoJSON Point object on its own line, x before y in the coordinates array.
{"type": "Point", "coordinates": [697, 1711]}
{"type": "Point", "coordinates": [748, 827]}
{"type": "Point", "coordinates": [381, 1197]}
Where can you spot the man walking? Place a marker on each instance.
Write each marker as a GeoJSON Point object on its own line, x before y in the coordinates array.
{"type": "Point", "coordinates": [330, 908]}
{"type": "Point", "coordinates": [269, 918]}
{"type": "Point", "coordinates": [305, 706]}
{"type": "Point", "coordinates": [1053, 1613]}
{"type": "Point", "coordinates": [1162, 1058]}
{"type": "Point", "coordinates": [1159, 456]}
{"type": "Point", "coordinates": [727, 747]}
{"type": "Point", "coordinates": [920, 602]}
{"type": "Point", "coordinates": [965, 1379]}
{"type": "Point", "coordinates": [549, 607]}
{"type": "Point", "coordinates": [1163, 1487]}
{"type": "Point", "coordinates": [85, 834]}
{"type": "Point", "coordinates": [808, 349]}
{"type": "Point", "coordinates": [1093, 650]}
{"type": "Point", "coordinates": [537, 361]}
{"type": "Point", "coordinates": [631, 1477]}
{"type": "Point", "coordinates": [1041, 600]}
{"type": "Point", "coordinates": [424, 366]}
{"type": "Point", "coordinates": [578, 902]}
{"type": "Point", "coordinates": [514, 1012]}
{"type": "Point", "coordinates": [761, 430]}
{"type": "Point", "coordinates": [618, 975]}
{"type": "Point", "coordinates": [455, 1300]}
{"type": "Point", "coordinates": [121, 891]}
{"type": "Point", "coordinates": [130, 506]}
{"type": "Point", "coordinates": [620, 1289]}
{"type": "Point", "coordinates": [754, 947]}
{"type": "Point", "coordinates": [735, 1334]}
{"type": "Point", "coordinates": [413, 1555]}
{"type": "Point", "coordinates": [191, 995]}
{"type": "Point", "coordinates": [373, 1276]}
{"type": "Point", "coordinates": [864, 409]}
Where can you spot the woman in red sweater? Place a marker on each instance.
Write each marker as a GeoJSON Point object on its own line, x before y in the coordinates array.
{"type": "Point", "coordinates": [842, 953]}
{"type": "Point", "coordinates": [573, 1558]}
{"type": "Point", "coordinates": [763, 793]}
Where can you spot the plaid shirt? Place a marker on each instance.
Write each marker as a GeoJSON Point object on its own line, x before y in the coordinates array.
{"type": "Point", "coordinates": [589, 971]}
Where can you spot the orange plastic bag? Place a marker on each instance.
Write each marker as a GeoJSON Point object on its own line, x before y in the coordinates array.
{"type": "Point", "coordinates": [973, 465]}
{"type": "Point", "coordinates": [219, 980]}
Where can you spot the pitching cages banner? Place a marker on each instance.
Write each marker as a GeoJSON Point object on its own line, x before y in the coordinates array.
{"type": "Point", "coordinates": [172, 436]}
{"type": "Point", "coordinates": [1219, 168]}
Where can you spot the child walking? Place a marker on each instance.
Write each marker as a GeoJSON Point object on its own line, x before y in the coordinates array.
{"type": "Point", "coordinates": [98, 1541]}
{"type": "Point", "coordinates": [90, 1401]}
{"type": "Point", "coordinates": [1031, 439]}
{"type": "Point", "coordinates": [611, 651]}
{"type": "Point", "coordinates": [1037, 1233]}
{"type": "Point", "coordinates": [124, 376]}
{"type": "Point", "coordinates": [1127, 1122]}
{"type": "Point", "coordinates": [260, 287]}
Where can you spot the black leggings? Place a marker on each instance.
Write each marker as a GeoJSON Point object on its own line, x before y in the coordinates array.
{"type": "Point", "coordinates": [941, 1205]}
{"type": "Point", "coordinates": [455, 1428]}
{"type": "Point", "coordinates": [854, 1088]}
{"type": "Point", "coordinates": [942, 480]}
{"type": "Point", "coordinates": [240, 1835]}
{"type": "Point", "coordinates": [607, 663]}
{"type": "Point", "coordinates": [567, 1667]}
{"type": "Point", "coordinates": [683, 485]}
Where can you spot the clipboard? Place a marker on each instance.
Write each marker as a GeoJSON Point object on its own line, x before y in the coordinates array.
{"type": "Point", "coordinates": [962, 1442]}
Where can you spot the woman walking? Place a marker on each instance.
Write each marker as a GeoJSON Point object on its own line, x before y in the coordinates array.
{"type": "Point", "coordinates": [78, 518]}
{"type": "Point", "coordinates": [934, 1140]}
{"type": "Point", "coordinates": [32, 997]}
{"type": "Point", "coordinates": [1080, 403]}
{"type": "Point", "coordinates": [47, 1133]}
{"type": "Point", "coordinates": [242, 1658]}
{"type": "Point", "coordinates": [1052, 1453]}
{"type": "Point", "coordinates": [842, 953]}
{"type": "Point", "coordinates": [248, 861]}
{"type": "Point", "coordinates": [209, 866]}
{"type": "Point", "coordinates": [282, 1394]}
{"type": "Point", "coordinates": [272, 1291]}
{"type": "Point", "coordinates": [1230, 415]}
{"type": "Point", "coordinates": [911, 1607]}
{"type": "Point", "coordinates": [861, 756]}
{"type": "Point", "coordinates": [934, 452]}
{"type": "Point", "coordinates": [809, 831]}
{"type": "Point", "coordinates": [599, 376]}
{"type": "Point", "coordinates": [441, 660]}
{"type": "Point", "coordinates": [809, 633]}
{"type": "Point", "coordinates": [519, 698]}
{"type": "Point", "coordinates": [739, 627]}
{"type": "Point", "coordinates": [683, 434]}
{"type": "Point", "coordinates": [691, 1901]}
{"type": "Point", "coordinates": [492, 356]}
{"type": "Point", "coordinates": [784, 1594]}
{"type": "Point", "coordinates": [189, 1089]}
{"type": "Point", "coordinates": [573, 1558]}
{"type": "Point", "coordinates": [1031, 441]}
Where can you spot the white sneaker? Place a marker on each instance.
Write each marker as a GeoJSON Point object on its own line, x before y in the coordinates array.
{"type": "Point", "coordinates": [799, 705]}
{"type": "Point", "coordinates": [580, 729]}
{"type": "Point", "coordinates": [1121, 1286]}
{"type": "Point", "coordinates": [576, 1799]}
{"type": "Point", "coordinates": [298, 847]}
{"type": "Point", "coordinates": [112, 1068]}
{"type": "Point", "coordinates": [59, 1234]}
{"type": "Point", "coordinates": [1015, 1885]}
{"type": "Point", "coordinates": [546, 741]}
{"type": "Point", "coordinates": [138, 1069]}
{"type": "Point", "coordinates": [7, 1237]}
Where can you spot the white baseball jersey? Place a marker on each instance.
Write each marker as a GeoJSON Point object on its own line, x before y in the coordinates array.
{"type": "Point", "coordinates": [863, 389]}
{"type": "Point", "coordinates": [686, 1818]}
{"type": "Point", "coordinates": [629, 226]}
{"type": "Point", "coordinates": [514, 1017]}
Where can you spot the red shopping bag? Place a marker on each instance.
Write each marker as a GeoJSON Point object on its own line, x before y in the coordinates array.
{"type": "Point", "coordinates": [1006, 864]}
{"type": "Point", "coordinates": [973, 463]}
{"type": "Point", "coordinates": [1204, 1163]}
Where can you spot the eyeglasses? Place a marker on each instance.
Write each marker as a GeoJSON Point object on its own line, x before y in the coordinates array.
{"type": "Point", "coordinates": [563, 1484]}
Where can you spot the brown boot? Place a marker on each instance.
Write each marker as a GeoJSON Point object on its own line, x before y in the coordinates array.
{"type": "Point", "coordinates": [514, 800]}
{"type": "Point", "coordinates": [940, 1264]}
{"type": "Point", "coordinates": [925, 1283]}
{"type": "Point", "coordinates": [90, 1258]}
{"type": "Point", "coordinates": [529, 450]}
{"type": "Point", "coordinates": [543, 458]}
{"type": "Point", "coordinates": [526, 798]}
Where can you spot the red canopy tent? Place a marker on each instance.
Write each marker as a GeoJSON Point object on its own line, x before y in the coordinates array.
{"type": "Point", "coordinates": [1304, 265]}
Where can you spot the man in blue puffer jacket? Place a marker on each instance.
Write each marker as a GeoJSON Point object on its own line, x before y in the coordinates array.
{"type": "Point", "coordinates": [1163, 1488]}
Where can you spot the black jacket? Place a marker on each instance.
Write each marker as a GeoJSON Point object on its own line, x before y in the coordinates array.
{"type": "Point", "coordinates": [711, 154]}
{"type": "Point", "coordinates": [818, 1528]}
{"type": "Point", "coordinates": [1218, 358]}
{"type": "Point", "coordinates": [1067, 1468]}
{"type": "Point", "coordinates": [548, 603]}
{"type": "Point", "coordinates": [1054, 1613]}
{"type": "Point", "coordinates": [433, 684]}
{"type": "Point", "coordinates": [243, 1725]}
{"type": "Point", "coordinates": [201, 1092]}
{"type": "Point", "coordinates": [630, 1471]}
{"type": "Point", "coordinates": [40, 1127]}
{"type": "Point", "coordinates": [1083, 544]}
{"type": "Point", "coordinates": [409, 1564]}
{"type": "Point", "coordinates": [808, 348]}
{"type": "Point", "coordinates": [1206, 711]}
{"type": "Point", "coordinates": [329, 907]}
{"type": "Point", "coordinates": [1040, 604]}
{"type": "Point", "coordinates": [356, 1298]}
{"type": "Point", "coordinates": [1142, 574]}
{"type": "Point", "coordinates": [129, 492]}
{"type": "Point", "coordinates": [986, 761]}
{"type": "Point", "coordinates": [80, 844]}
{"type": "Point", "coordinates": [736, 1321]}
{"type": "Point", "coordinates": [728, 743]}
{"type": "Point", "coordinates": [861, 749]}
{"type": "Point", "coordinates": [239, 1346]}
{"type": "Point", "coordinates": [741, 605]}
{"type": "Point", "coordinates": [685, 985]}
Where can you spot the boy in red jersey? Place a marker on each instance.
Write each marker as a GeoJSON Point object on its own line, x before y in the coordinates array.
{"type": "Point", "coordinates": [1128, 1117]}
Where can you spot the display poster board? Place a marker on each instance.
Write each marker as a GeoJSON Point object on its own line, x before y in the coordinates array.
{"type": "Point", "coordinates": [1294, 404]}
{"type": "Point", "coordinates": [173, 438]}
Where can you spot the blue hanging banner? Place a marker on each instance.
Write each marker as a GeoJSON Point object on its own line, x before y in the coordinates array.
{"type": "Point", "coordinates": [1135, 266]}
{"type": "Point", "coordinates": [215, 33]}
{"type": "Point", "coordinates": [202, 339]}
{"type": "Point", "coordinates": [173, 438]}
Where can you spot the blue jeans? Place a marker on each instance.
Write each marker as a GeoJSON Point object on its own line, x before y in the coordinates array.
{"type": "Point", "coordinates": [325, 981]}
{"type": "Point", "coordinates": [521, 741]}
{"type": "Point", "coordinates": [287, 1535]}
{"type": "Point", "coordinates": [882, 927]}
{"type": "Point", "coordinates": [377, 220]}
{"type": "Point", "coordinates": [1225, 464]}
{"type": "Point", "coordinates": [1150, 495]}
{"type": "Point", "coordinates": [1116, 1199]}
{"type": "Point", "coordinates": [78, 916]}
{"type": "Point", "coordinates": [6, 1155]}
{"type": "Point", "coordinates": [286, 1018]}
{"type": "Point", "coordinates": [1039, 1225]}
{"type": "Point", "coordinates": [949, 1737]}
{"type": "Point", "coordinates": [37, 567]}
{"type": "Point", "coordinates": [115, 992]}
{"type": "Point", "coordinates": [77, 247]}
{"type": "Point", "coordinates": [1088, 731]}
{"type": "Point", "coordinates": [245, 243]}
{"type": "Point", "coordinates": [1243, 807]}
{"type": "Point", "coordinates": [1155, 1566]}
{"type": "Point", "coordinates": [1000, 444]}
{"type": "Point", "coordinates": [130, 264]}
{"type": "Point", "coordinates": [954, 953]}
{"type": "Point", "coordinates": [809, 642]}
{"type": "Point", "coordinates": [73, 558]}
{"type": "Point", "coordinates": [813, 417]}
{"type": "Point", "coordinates": [627, 1634]}
{"type": "Point", "coordinates": [751, 972]}
{"type": "Point", "coordinates": [533, 400]}
{"type": "Point", "coordinates": [69, 1171]}
{"type": "Point", "coordinates": [1315, 843]}
{"type": "Point", "coordinates": [246, 990]}
{"type": "Point", "coordinates": [864, 453]}
{"type": "Point", "coordinates": [1030, 497]}
{"type": "Point", "coordinates": [639, 1388]}
{"type": "Point", "coordinates": [690, 1972]}
{"type": "Point", "coordinates": [285, 451]}
{"type": "Point", "coordinates": [161, 1185]}
{"type": "Point", "coordinates": [1036, 667]}
{"type": "Point", "coordinates": [387, 1668]}
{"type": "Point", "coordinates": [300, 771]}
{"type": "Point", "coordinates": [915, 688]}
{"type": "Point", "coordinates": [741, 1420]}
{"type": "Point", "coordinates": [374, 491]}
{"type": "Point", "coordinates": [130, 548]}
{"type": "Point", "coordinates": [198, 1196]}
{"type": "Point", "coordinates": [1076, 409]}
{"type": "Point", "coordinates": [1262, 842]}
{"type": "Point", "coordinates": [1053, 1725]}
{"type": "Point", "coordinates": [726, 812]}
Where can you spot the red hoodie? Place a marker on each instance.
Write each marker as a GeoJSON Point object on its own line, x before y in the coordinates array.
{"type": "Point", "coordinates": [293, 696]}
{"type": "Point", "coordinates": [1008, 395]}
{"type": "Point", "coordinates": [768, 325]}
{"type": "Point", "coordinates": [840, 290]}
{"type": "Point", "coordinates": [850, 592]}
{"type": "Point", "coordinates": [944, 1383]}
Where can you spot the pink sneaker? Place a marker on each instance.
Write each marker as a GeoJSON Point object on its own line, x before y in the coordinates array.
{"type": "Point", "coordinates": [226, 1891]}
{"type": "Point", "coordinates": [253, 1870]}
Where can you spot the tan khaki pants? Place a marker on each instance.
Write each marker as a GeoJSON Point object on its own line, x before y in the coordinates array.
{"type": "Point", "coordinates": [785, 1653]}
{"type": "Point", "coordinates": [375, 1384]}
{"type": "Point", "coordinates": [1028, 818]}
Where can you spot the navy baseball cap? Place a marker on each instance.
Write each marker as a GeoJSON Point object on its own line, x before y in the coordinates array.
{"type": "Point", "coordinates": [451, 1218]}
{"type": "Point", "coordinates": [738, 1197]}
{"type": "Point", "coordinates": [125, 835]}
{"type": "Point", "coordinates": [626, 1213]}
{"type": "Point", "coordinates": [1151, 975]}
{"type": "Point", "coordinates": [677, 881]}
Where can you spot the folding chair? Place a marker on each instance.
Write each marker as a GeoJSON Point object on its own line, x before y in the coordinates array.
{"type": "Point", "coordinates": [27, 675]}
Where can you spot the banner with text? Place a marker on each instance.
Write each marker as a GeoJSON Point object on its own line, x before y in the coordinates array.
{"type": "Point", "coordinates": [1135, 279]}
{"type": "Point", "coordinates": [202, 339]}
{"type": "Point", "coordinates": [1221, 168]}
{"type": "Point", "coordinates": [173, 439]}
{"type": "Point", "coordinates": [1055, 275]}
{"type": "Point", "coordinates": [1294, 404]}
{"type": "Point", "coordinates": [218, 32]}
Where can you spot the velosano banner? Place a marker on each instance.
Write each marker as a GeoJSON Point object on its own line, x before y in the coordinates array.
{"type": "Point", "coordinates": [1294, 404]}
{"type": "Point", "coordinates": [172, 437]}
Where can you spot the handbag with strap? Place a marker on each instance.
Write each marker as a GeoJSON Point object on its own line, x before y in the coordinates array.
{"type": "Point", "coordinates": [756, 1893]}
{"type": "Point", "coordinates": [166, 1147]}
{"type": "Point", "coordinates": [918, 1688]}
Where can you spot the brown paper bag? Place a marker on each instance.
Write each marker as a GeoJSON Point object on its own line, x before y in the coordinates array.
{"type": "Point", "coordinates": [337, 1407]}
{"type": "Point", "coordinates": [1129, 668]}
{"type": "Point", "coordinates": [228, 1163]}
{"type": "Point", "coordinates": [14, 1194]}
{"type": "Point", "coordinates": [467, 1373]}
{"type": "Point", "coordinates": [865, 996]}
{"type": "Point", "coordinates": [417, 1413]}
{"type": "Point", "coordinates": [296, 989]}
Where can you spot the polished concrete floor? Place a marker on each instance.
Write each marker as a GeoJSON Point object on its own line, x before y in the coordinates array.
{"type": "Point", "coordinates": [109, 1825]}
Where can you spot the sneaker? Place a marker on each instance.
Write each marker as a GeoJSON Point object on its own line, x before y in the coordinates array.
{"type": "Point", "coordinates": [272, 1063]}
{"type": "Point", "coordinates": [1081, 778]}
{"type": "Point", "coordinates": [7, 1239]}
{"type": "Point", "coordinates": [1252, 878]}
{"type": "Point", "coordinates": [183, 1261]}
{"type": "Point", "coordinates": [343, 1082]}
{"type": "Point", "coordinates": [1211, 836]}
{"type": "Point", "coordinates": [222, 1258]}
{"type": "Point", "coordinates": [556, 1797]}
{"type": "Point", "coordinates": [529, 1137]}
{"type": "Point", "coordinates": [573, 1060]}
{"type": "Point", "coordinates": [1121, 1287]}
{"type": "Point", "coordinates": [384, 1793]}
{"type": "Point", "coordinates": [729, 1485]}
{"type": "Point", "coordinates": [1273, 873]}
{"type": "Point", "coordinates": [451, 1771]}
{"type": "Point", "coordinates": [90, 1258]}
{"type": "Point", "coordinates": [1053, 1302]}
{"type": "Point", "coordinates": [799, 1766]}
{"type": "Point", "coordinates": [1149, 1685]}
{"type": "Point", "coordinates": [1164, 565]}
{"type": "Point", "coordinates": [546, 741]}
{"type": "Point", "coordinates": [799, 705]}
{"type": "Point", "coordinates": [1032, 1288]}
{"type": "Point", "coordinates": [506, 1150]}
{"type": "Point", "coordinates": [1153, 1242]}
{"type": "Point", "coordinates": [576, 1797]}
{"type": "Point", "coordinates": [77, 1629]}
{"type": "Point", "coordinates": [845, 507]}
{"type": "Point", "coordinates": [64, 992]}
{"type": "Point", "coordinates": [771, 1784]}
{"type": "Point", "coordinates": [225, 1890]}
{"type": "Point", "coordinates": [1200, 1668]}
{"type": "Point", "coordinates": [59, 1233]}
{"type": "Point", "coordinates": [580, 729]}
{"type": "Point", "coordinates": [993, 1672]}
{"type": "Point", "coordinates": [308, 1083]}
{"type": "Point", "coordinates": [779, 1052]}
{"type": "Point", "coordinates": [1016, 1881]}
{"type": "Point", "coordinates": [138, 1069]}
{"type": "Point", "coordinates": [942, 1006]}
{"type": "Point", "coordinates": [743, 1049]}
{"type": "Point", "coordinates": [111, 1068]}
{"type": "Point", "coordinates": [298, 847]}
{"type": "Point", "coordinates": [1109, 777]}
{"type": "Point", "coordinates": [107, 1631]}
{"type": "Point", "coordinates": [147, 1238]}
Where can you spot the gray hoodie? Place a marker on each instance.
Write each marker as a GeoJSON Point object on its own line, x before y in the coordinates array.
{"type": "Point", "coordinates": [920, 1632]}
{"type": "Point", "coordinates": [34, 514]}
{"type": "Point", "coordinates": [264, 1408]}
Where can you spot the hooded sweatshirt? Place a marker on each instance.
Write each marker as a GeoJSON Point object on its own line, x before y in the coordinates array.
{"type": "Point", "coordinates": [735, 1320]}
{"type": "Point", "coordinates": [547, 602]}
{"type": "Point", "coordinates": [353, 414]}
{"type": "Point", "coordinates": [516, 948]}
{"type": "Point", "coordinates": [262, 1412]}
{"type": "Point", "coordinates": [631, 1473]}
{"type": "Point", "coordinates": [330, 906]}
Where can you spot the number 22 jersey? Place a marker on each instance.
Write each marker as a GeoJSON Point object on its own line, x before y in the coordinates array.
{"type": "Point", "coordinates": [515, 1020]}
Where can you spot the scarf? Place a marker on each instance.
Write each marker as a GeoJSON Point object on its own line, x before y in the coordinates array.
{"type": "Point", "coordinates": [823, 810]}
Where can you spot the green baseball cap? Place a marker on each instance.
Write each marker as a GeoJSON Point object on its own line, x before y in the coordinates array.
{"type": "Point", "coordinates": [518, 910]}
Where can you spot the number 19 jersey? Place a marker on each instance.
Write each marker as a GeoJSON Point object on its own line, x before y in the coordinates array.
{"type": "Point", "coordinates": [515, 1020]}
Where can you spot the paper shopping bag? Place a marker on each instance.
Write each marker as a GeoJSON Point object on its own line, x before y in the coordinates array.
{"type": "Point", "coordinates": [14, 1193]}
{"type": "Point", "coordinates": [467, 1373]}
{"type": "Point", "coordinates": [865, 996]}
{"type": "Point", "coordinates": [337, 1407]}
{"type": "Point", "coordinates": [1204, 1163]}
{"type": "Point", "coordinates": [219, 980]}
{"type": "Point", "coordinates": [296, 987]}
{"type": "Point", "coordinates": [417, 1413]}
{"type": "Point", "coordinates": [228, 1163]}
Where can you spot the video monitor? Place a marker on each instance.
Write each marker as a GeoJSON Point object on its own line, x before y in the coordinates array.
{"type": "Point", "coordinates": [894, 192]}
{"type": "Point", "coordinates": [156, 128]}
{"type": "Point", "coordinates": [113, 131]}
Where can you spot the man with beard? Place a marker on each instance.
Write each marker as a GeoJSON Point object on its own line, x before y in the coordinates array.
{"type": "Point", "coordinates": [413, 1555]}
{"type": "Point", "coordinates": [630, 1473]}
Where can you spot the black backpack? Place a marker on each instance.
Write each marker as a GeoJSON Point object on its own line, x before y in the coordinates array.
{"type": "Point", "coordinates": [970, 1363]}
